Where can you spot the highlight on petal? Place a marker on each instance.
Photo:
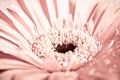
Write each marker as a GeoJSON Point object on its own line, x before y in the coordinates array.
{"type": "Point", "coordinates": [59, 39]}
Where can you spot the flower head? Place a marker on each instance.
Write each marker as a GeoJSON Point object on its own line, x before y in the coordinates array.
{"type": "Point", "coordinates": [59, 39]}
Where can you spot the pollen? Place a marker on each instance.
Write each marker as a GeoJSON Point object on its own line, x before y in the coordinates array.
{"type": "Point", "coordinates": [66, 46]}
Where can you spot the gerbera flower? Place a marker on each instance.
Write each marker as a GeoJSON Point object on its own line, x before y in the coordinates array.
{"type": "Point", "coordinates": [59, 39]}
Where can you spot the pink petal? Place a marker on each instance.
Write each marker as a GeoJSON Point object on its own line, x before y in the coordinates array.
{"type": "Point", "coordinates": [24, 74]}
{"type": "Point", "coordinates": [63, 76]}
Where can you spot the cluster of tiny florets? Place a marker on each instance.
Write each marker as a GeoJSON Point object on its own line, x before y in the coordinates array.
{"type": "Point", "coordinates": [85, 46]}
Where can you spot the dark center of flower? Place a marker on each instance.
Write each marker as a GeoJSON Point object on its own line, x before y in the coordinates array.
{"type": "Point", "coordinates": [65, 48]}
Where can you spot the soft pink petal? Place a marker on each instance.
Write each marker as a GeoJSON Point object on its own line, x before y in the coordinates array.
{"type": "Point", "coordinates": [52, 9]}
{"type": "Point", "coordinates": [6, 31]}
{"type": "Point", "coordinates": [38, 15]}
{"type": "Point", "coordinates": [64, 76]}
{"type": "Point", "coordinates": [24, 74]}
{"type": "Point", "coordinates": [108, 22]}
{"type": "Point", "coordinates": [62, 8]}
{"type": "Point", "coordinates": [24, 32]}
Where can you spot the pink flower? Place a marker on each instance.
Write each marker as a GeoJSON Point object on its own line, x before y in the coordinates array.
{"type": "Point", "coordinates": [59, 39]}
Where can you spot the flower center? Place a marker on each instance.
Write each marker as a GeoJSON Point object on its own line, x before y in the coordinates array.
{"type": "Point", "coordinates": [66, 46]}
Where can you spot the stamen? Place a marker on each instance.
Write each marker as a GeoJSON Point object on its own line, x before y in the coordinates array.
{"type": "Point", "coordinates": [66, 46]}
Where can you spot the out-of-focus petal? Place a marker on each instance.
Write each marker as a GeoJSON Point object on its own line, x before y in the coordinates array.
{"type": "Point", "coordinates": [63, 76]}
{"type": "Point", "coordinates": [23, 74]}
